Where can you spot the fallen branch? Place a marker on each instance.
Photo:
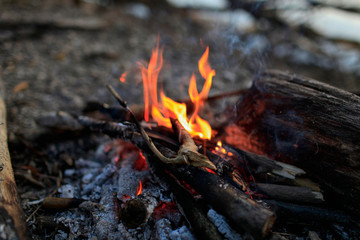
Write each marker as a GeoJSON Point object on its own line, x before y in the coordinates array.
{"type": "Point", "coordinates": [12, 222]}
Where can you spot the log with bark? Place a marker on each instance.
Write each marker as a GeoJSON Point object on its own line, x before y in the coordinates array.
{"type": "Point", "coordinates": [306, 123]}
{"type": "Point", "coordinates": [12, 222]}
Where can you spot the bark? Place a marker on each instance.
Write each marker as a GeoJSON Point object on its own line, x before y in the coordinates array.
{"type": "Point", "coordinates": [11, 214]}
{"type": "Point", "coordinates": [306, 123]}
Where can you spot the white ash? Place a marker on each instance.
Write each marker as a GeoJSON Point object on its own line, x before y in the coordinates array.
{"type": "Point", "coordinates": [223, 227]}
{"type": "Point", "coordinates": [69, 172]}
{"type": "Point", "coordinates": [163, 229]}
{"type": "Point", "coordinates": [107, 219]}
{"type": "Point", "coordinates": [128, 181]}
{"type": "Point", "coordinates": [125, 234]}
{"type": "Point", "coordinates": [103, 179]}
{"type": "Point", "coordinates": [67, 191]}
{"type": "Point", "coordinates": [87, 164]}
{"type": "Point", "coordinates": [100, 179]}
{"type": "Point", "coordinates": [76, 221]}
{"type": "Point", "coordinates": [182, 233]}
{"type": "Point", "coordinates": [61, 235]}
{"type": "Point", "coordinates": [87, 178]}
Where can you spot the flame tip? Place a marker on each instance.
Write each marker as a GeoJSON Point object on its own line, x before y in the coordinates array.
{"type": "Point", "coordinates": [166, 108]}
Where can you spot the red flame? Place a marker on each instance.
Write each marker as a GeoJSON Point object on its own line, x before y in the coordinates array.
{"type": "Point", "coordinates": [162, 111]}
{"type": "Point", "coordinates": [122, 77]}
{"type": "Point", "coordinates": [139, 188]}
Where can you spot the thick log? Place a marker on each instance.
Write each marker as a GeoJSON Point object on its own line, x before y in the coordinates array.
{"type": "Point", "coordinates": [306, 123]}
{"type": "Point", "coordinates": [12, 220]}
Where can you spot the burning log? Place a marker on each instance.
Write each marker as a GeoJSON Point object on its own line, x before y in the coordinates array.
{"type": "Point", "coordinates": [306, 123]}
{"type": "Point", "coordinates": [11, 215]}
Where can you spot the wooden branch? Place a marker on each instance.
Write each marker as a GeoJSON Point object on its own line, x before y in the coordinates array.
{"type": "Point", "coordinates": [12, 220]}
{"type": "Point", "coordinates": [306, 123]}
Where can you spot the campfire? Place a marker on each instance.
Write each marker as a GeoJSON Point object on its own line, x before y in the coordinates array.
{"type": "Point", "coordinates": [273, 167]}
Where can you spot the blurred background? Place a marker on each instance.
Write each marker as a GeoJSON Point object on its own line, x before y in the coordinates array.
{"type": "Point", "coordinates": [58, 55]}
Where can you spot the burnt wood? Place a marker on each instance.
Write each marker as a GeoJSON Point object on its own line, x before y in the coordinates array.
{"type": "Point", "coordinates": [306, 123]}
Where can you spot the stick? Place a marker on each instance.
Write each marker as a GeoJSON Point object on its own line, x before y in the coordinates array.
{"type": "Point", "coordinates": [61, 203]}
{"type": "Point", "coordinates": [11, 214]}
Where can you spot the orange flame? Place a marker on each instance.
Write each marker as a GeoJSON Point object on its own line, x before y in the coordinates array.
{"type": "Point", "coordinates": [139, 188]}
{"type": "Point", "coordinates": [161, 112]}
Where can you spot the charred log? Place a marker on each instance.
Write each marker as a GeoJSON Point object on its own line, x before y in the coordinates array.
{"type": "Point", "coordinates": [138, 210]}
{"type": "Point", "coordinates": [306, 123]}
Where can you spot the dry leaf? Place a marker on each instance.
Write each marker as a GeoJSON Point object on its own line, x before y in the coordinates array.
{"type": "Point", "coordinates": [21, 87]}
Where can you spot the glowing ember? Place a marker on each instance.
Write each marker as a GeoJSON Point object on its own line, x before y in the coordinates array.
{"type": "Point", "coordinates": [140, 163]}
{"type": "Point", "coordinates": [161, 112]}
{"type": "Point", "coordinates": [139, 188]}
{"type": "Point", "coordinates": [220, 149]}
{"type": "Point", "coordinates": [122, 77]}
